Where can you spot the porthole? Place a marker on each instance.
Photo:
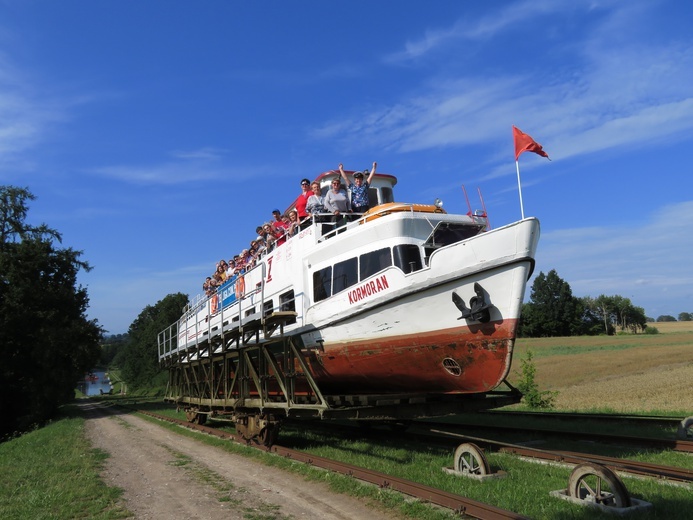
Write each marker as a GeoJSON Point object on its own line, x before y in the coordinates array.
{"type": "Point", "coordinates": [452, 366]}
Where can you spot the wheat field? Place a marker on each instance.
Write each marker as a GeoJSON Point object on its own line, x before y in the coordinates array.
{"type": "Point", "coordinates": [624, 373]}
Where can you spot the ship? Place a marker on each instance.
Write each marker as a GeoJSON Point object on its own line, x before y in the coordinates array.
{"type": "Point", "coordinates": [406, 311]}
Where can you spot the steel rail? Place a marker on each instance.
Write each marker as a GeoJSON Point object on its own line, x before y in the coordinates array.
{"type": "Point", "coordinates": [671, 444]}
{"type": "Point", "coordinates": [457, 503]}
{"type": "Point", "coordinates": [597, 417]}
{"type": "Point", "coordinates": [616, 464]}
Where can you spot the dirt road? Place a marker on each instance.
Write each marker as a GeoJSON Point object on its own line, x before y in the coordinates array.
{"type": "Point", "coordinates": [169, 476]}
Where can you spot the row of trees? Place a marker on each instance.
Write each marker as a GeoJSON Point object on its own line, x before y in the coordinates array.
{"type": "Point", "coordinates": [683, 316]}
{"type": "Point", "coordinates": [46, 342]}
{"type": "Point", "coordinates": [554, 311]}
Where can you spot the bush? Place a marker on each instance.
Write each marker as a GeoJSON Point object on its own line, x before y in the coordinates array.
{"type": "Point", "coordinates": [651, 330]}
{"type": "Point", "coordinates": [531, 395]}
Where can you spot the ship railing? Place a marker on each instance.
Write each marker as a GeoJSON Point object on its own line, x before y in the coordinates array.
{"type": "Point", "coordinates": [202, 299]}
{"type": "Point", "coordinates": [168, 341]}
{"type": "Point", "coordinates": [327, 227]}
{"type": "Point", "coordinates": [215, 324]}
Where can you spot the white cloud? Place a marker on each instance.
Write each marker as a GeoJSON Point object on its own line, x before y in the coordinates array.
{"type": "Point", "coordinates": [649, 263]}
{"type": "Point", "coordinates": [191, 166]}
{"type": "Point", "coordinates": [23, 117]}
{"type": "Point", "coordinates": [467, 29]}
{"type": "Point", "coordinates": [619, 92]}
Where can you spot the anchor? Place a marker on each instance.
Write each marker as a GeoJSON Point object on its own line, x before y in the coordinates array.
{"type": "Point", "coordinates": [478, 309]}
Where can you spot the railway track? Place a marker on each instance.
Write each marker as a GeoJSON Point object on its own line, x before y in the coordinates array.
{"type": "Point", "coordinates": [616, 464]}
{"type": "Point", "coordinates": [593, 481]}
{"type": "Point", "coordinates": [451, 435]}
{"type": "Point", "coordinates": [655, 420]}
{"type": "Point", "coordinates": [454, 502]}
{"type": "Point", "coordinates": [649, 442]}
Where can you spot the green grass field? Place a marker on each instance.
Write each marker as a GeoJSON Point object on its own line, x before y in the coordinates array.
{"type": "Point", "coordinates": [53, 473]}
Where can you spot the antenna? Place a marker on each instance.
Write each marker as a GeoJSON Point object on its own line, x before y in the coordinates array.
{"type": "Point", "coordinates": [467, 198]}
{"type": "Point", "coordinates": [483, 206]}
{"type": "Point", "coordinates": [473, 214]}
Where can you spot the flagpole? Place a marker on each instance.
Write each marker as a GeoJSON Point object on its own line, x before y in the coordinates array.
{"type": "Point", "coordinates": [519, 188]}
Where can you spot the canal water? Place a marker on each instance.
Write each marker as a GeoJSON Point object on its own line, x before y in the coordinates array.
{"type": "Point", "coordinates": [95, 383]}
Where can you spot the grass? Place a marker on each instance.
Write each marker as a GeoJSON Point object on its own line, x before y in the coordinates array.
{"type": "Point", "coordinates": [53, 473]}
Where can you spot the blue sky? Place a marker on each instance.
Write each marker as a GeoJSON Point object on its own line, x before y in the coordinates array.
{"type": "Point", "coordinates": [156, 135]}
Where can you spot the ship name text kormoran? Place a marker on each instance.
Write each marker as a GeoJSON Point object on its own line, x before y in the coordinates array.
{"type": "Point", "coordinates": [368, 289]}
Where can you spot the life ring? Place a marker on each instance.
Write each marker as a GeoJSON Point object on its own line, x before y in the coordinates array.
{"type": "Point", "coordinates": [240, 287]}
{"type": "Point", "coordinates": [215, 303]}
{"type": "Point", "coordinates": [394, 207]}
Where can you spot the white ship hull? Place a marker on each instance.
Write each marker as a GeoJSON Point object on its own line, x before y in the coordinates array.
{"type": "Point", "coordinates": [391, 332]}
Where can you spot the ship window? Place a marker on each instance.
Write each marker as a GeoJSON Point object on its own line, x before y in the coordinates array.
{"type": "Point", "coordinates": [322, 284]}
{"type": "Point", "coordinates": [407, 257]}
{"type": "Point", "coordinates": [345, 275]}
{"type": "Point", "coordinates": [447, 233]}
{"type": "Point", "coordinates": [287, 302]}
{"type": "Point", "coordinates": [372, 197]}
{"type": "Point", "coordinates": [375, 261]}
{"type": "Point", "coordinates": [267, 308]}
{"type": "Point", "coordinates": [387, 195]}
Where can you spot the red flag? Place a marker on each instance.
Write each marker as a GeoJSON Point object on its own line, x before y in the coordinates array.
{"type": "Point", "coordinates": [525, 143]}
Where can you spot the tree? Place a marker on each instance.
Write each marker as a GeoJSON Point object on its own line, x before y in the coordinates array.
{"type": "Point", "coordinates": [666, 317]}
{"type": "Point", "coordinates": [685, 316]}
{"type": "Point", "coordinates": [635, 319]}
{"type": "Point", "coordinates": [552, 310]}
{"type": "Point", "coordinates": [606, 307]}
{"type": "Point", "coordinates": [46, 341]}
{"type": "Point", "coordinates": [616, 311]}
{"type": "Point", "coordinates": [592, 323]}
{"type": "Point", "coordinates": [139, 357]}
{"type": "Point", "coordinates": [110, 347]}
{"type": "Point", "coordinates": [13, 210]}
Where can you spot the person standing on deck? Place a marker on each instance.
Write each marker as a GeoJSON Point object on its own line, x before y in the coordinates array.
{"type": "Point", "coordinates": [336, 201]}
{"type": "Point", "coordinates": [315, 205]}
{"type": "Point", "coordinates": [359, 188]}
{"type": "Point", "coordinates": [279, 227]}
{"type": "Point", "coordinates": [302, 199]}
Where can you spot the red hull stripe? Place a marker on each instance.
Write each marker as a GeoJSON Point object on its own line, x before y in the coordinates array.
{"type": "Point", "coordinates": [460, 360]}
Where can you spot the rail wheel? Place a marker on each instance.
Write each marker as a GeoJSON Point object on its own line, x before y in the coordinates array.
{"type": "Point", "coordinates": [193, 416]}
{"type": "Point", "coordinates": [268, 435]}
{"type": "Point", "coordinates": [599, 485]}
{"type": "Point", "coordinates": [469, 459]}
{"type": "Point", "coordinates": [686, 428]}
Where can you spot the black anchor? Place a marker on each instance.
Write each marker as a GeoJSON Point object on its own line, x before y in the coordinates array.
{"type": "Point", "coordinates": [478, 306]}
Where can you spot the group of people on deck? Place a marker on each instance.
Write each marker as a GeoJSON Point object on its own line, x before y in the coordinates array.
{"type": "Point", "coordinates": [336, 201]}
{"type": "Point", "coordinates": [335, 206]}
